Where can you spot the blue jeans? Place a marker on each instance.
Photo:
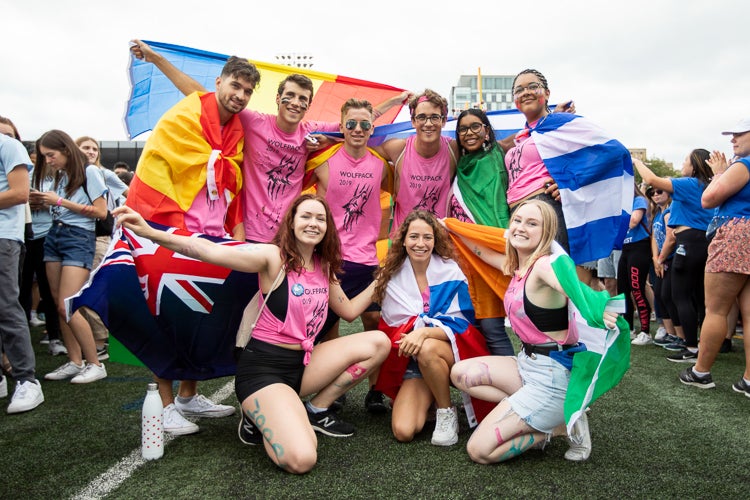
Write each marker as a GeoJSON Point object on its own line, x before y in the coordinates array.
{"type": "Point", "coordinates": [71, 245]}
{"type": "Point", "coordinates": [15, 338]}
{"type": "Point", "coordinates": [496, 337]}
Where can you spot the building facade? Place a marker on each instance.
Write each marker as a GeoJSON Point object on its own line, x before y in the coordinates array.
{"type": "Point", "coordinates": [496, 93]}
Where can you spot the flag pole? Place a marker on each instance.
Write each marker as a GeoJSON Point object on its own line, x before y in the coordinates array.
{"type": "Point", "coordinates": [479, 87]}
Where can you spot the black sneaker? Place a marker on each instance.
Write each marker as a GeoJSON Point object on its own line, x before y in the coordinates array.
{"type": "Point", "coordinates": [338, 405]}
{"type": "Point", "coordinates": [248, 432]}
{"type": "Point", "coordinates": [677, 345]}
{"type": "Point", "coordinates": [726, 346]}
{"type": "Point", "coordinates": [742, 387]}
{"type": "Point", "coordinates": [328, 423]}
{"type": "Point", "coordinates": [375, 402]}
{"type": "Point", "coordinates": [666, 340]}
{"type": "Point", "coordinates": [684, 356]}
{"type": "Point", "coordinates": [102, 353]}
{"type": "Point", "coordinates": [689, 377]}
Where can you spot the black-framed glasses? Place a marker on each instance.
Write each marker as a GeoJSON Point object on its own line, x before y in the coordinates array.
{"type": "Point", "coordinates": [363, 124]}
{"type": "Point", "coordinates": [422, 118]}
{"type": "Point", "coordinates": [533, 87]}
{"type": "Point", "coordinates": [474, 127]}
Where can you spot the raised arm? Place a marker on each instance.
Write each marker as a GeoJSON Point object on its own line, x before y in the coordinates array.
{"type": "Point", "coordinates": [246, 258]}
{"type": "Point", "coordinates": [183, 82]}
{"type": "Point", "coordinates": [651, 178]}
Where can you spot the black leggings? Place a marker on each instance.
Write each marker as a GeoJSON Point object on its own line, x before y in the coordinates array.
{"type": "Point", "coordinates": [632, 277]}
{"type": "Point", "coordinates": [34, 264]}
{"type": "Point", "coordinates": [687, 282]}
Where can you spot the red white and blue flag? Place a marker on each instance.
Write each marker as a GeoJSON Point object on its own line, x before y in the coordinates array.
{"type": "Point", "coordinates": [179, 316]}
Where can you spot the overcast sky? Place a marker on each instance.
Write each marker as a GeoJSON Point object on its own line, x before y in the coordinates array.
{"type": "Point", "coordinates": [665, 75]}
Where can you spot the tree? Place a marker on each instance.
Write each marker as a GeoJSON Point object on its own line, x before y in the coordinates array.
{"type": "Point", "coordinates": [659, 167]}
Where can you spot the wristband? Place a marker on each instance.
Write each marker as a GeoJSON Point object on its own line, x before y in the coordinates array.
{"type": "Point", "coordinates": [59, 201]}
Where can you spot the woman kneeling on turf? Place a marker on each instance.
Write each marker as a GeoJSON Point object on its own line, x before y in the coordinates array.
{"type": "Point", "coordinates": [279, 364]}
{"type": "Point", "coordinates": [531, 388]}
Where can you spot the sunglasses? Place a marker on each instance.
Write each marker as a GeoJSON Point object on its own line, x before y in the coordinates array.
{"type": "Point", "coordinates": [352, 124]}
{"type": "Point", "coordinates": [658, 191]}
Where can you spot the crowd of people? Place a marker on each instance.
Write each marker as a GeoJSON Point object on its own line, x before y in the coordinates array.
{"type": "Point", "coordinates": [432, 320]}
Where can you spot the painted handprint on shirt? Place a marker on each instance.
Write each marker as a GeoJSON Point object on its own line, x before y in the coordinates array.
{"type": "Point", "coordinates": [355, 207]}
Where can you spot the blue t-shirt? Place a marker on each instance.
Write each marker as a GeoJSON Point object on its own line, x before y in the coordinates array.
{"type": "Point", "coordinates": [12, 219]}
{"type": "Point", "coordinates": [686, 204]}
{"type": "Point", "coordinates": [639, 232]}
{"type": "Point", "coordinates": [96, 189]}
{"type": "Point", "coordinates": [659, 229]}
{"type": "Point", "coordinates": [738, 205]}
{"type": "Point", "coordinates": [41, 220]}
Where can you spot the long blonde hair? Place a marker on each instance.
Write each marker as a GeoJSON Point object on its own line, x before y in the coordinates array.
{"type": "Point", "coordinates": [549, 230]}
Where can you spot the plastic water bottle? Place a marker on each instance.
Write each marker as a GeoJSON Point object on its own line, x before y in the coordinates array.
{"type": "Point", "coordinates": [680, 250]}
{"type": "Point", "coordinates": [152, 425]}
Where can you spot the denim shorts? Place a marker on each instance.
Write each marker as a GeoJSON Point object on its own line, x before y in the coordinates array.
{"type": "Point", "coordinates": [71, 245]}
{"type": "Point", "coordinates": [412, 369]}
{"type": "Point", "coordinates": [540, 401]}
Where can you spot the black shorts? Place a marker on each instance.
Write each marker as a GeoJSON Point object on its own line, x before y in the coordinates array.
{"type": "Point", "coordinates": [262, 364]}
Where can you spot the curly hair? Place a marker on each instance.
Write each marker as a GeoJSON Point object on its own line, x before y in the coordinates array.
{"type": "Point", "coordinates": [329, 249]}
{"type": "Point", "coordinates": [432, 97]}
{"type": "Point", "coordinates": [397, 252]}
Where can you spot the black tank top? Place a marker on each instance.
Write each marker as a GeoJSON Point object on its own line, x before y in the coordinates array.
{"type": "Point", "coordinates": [279, 300]}
{"type": "Point", "coordinates": [546, 320]}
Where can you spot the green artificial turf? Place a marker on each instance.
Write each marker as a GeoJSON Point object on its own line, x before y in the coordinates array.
{"type": "Point", "coordinates": [652, 438]}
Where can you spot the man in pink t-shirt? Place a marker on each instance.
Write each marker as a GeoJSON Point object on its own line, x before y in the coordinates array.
{"type": "Point", "coordinates": [350, 179]}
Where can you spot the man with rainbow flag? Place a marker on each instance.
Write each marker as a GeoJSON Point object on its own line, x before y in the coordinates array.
{"type": "Point", "coordinates": [189, 177]}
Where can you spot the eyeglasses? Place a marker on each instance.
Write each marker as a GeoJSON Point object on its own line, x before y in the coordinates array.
{"type": "Point", "coordinates": [474, 127]}
{"type": "Point", "coordinates": [533, 87]}
{"type": "Point", "coordinates": [658, 191]}
{"type": "Point", "coordinates": [352, 124]}
{"type": "Point", "coordinates": [422, 118]}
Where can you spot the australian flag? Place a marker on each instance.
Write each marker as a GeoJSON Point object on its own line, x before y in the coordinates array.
{"type": "Point", "coordinates": [179, 316]}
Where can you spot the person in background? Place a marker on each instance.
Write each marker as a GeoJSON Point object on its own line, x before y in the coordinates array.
{"type": "Point", "coordinates": [633, 268]}
{"type": "Point", "coordinates": [15, 338]}
{"type": "Point", "coordinates": [728, 264]}
{"type": "Point", "coordinates": [689, 222]}
{"type": "Point", "coordinates": [281, 361]}
{"type": "Point", "coordinates": [70, 243]}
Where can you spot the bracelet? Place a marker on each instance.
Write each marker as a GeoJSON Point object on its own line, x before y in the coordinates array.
{"type": "Point", "coordinates": [59, 201]}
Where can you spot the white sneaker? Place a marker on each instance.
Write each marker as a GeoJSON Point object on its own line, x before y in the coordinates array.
{"type": "Point", "coordinates": [3, 386]}
{"type": "Point", "coordinates": [632, 335]}
{"type": "Point", "coordinates": [580, 440]}
{"type": "Point", "coordinates": [446, 427]}
{"type": "Point", "coordinates": [56, 347]}
{"type": "Point", "coordinates": [175, 423]}
{"type": "Point", "coordinates": [201, 406]}
{"type": "Point", "coordinates": [27, 396]}
{"type": "Point", "coordinates": [35, 320]}
{"type": "Point", "coordinates": [91, 373]}
{"type": "Point", "coordinates": [642, 338]}
{"type": "Point", "coordinates": [661, 332]}
{"type": "Point", "coordinates": [68, 370]}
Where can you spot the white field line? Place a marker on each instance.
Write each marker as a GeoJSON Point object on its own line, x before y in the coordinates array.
{"type": "Point", "coordinates": [122, 470]}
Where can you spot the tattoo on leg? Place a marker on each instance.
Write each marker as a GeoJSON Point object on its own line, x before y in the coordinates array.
{"type": "Point", "coordinates": [517, 446]}
{"type": "Point", "coordinates": [260, 423]}
{"type": "Point", "coordinates": [499, 436]}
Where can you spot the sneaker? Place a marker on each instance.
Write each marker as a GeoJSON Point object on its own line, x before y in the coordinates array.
{"type": "Point", "coordinates": [742, 387]}
{"type": "Point", "coordinates": [201, 406]}
{"type": "Point", "coordinates": [36, 321]}
{"type": "Point", "coordinates": [579, 440]}
{"type": "Point", "coordinates": [175, 423]}
{"type": "Point", "coordinates": [689, 377]}
{"type": "Point", "coordinates": [375, 402]}
{"type": "Point", "coordinates": [338, 405]}
{"type": "Point", "coordinates": [642, 338]}
{"type": "Point", "coordinates": [446, 427]}
{"type": "Point", "coordinates": [91, 373]}
{"type": "Point", "coordinates": [684, 356]}
{"type": "Point", "coordinates": [661, 332]}
{"type": "Point", "coordinates": [3, 386]}
{"type": "Point", "coordinates": [677, 345]}
{"type": "Point", "coordinates": [27, 396]}
{"type": "Point", "coordinates": [66, 371]}
{"type": "Point", "coordinates": [248, 432]}
{"type": "Point", "coordinates": [666, 339]}
{"type": "Point", "coordinates": [44, 340]}
{"type": "Point", "coordinates": [56, 347]}
{"type": "Point", "coordinates": [726, 346]}
{"type": "Point", "coordinates": [101, 353]}
{"type": "Point", "coordinates": [328, 423]}
{"type": "Point", "coordinates": [632, 335]}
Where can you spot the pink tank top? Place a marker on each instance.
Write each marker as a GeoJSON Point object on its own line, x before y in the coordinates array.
{"type": "Point", "coordinates": [354, 196]}
{"type": "Point", "coordinates": [424, 183]}
{"type": "Point", "coordinates": [520, 322]}
{"type": "Point", "coordinates": [526, 170]}
{"type": "Point", "coordinates": [274, 169]}
{"type": "Point", "coordinates": [306, 311]}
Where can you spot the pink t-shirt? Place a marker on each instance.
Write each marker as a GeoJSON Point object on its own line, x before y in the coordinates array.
{"type": "Point", "coordinates": [520, 322]}
{"type": "Point", "coordinates": [424, 183]}
{"type": "Point", "coordinates": [273, 168]}
{"type": "Point", "coordinates": [206, 215]}
{"type": "Point", "coordinates": [307, 309]}
{"type": "Point", "coordinates": [526, 170]}
{"type": "Point", "coordinates": [354, 197]}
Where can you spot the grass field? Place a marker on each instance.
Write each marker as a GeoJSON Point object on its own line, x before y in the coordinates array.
{"type": "Point", "coordinates": [652, 438]}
